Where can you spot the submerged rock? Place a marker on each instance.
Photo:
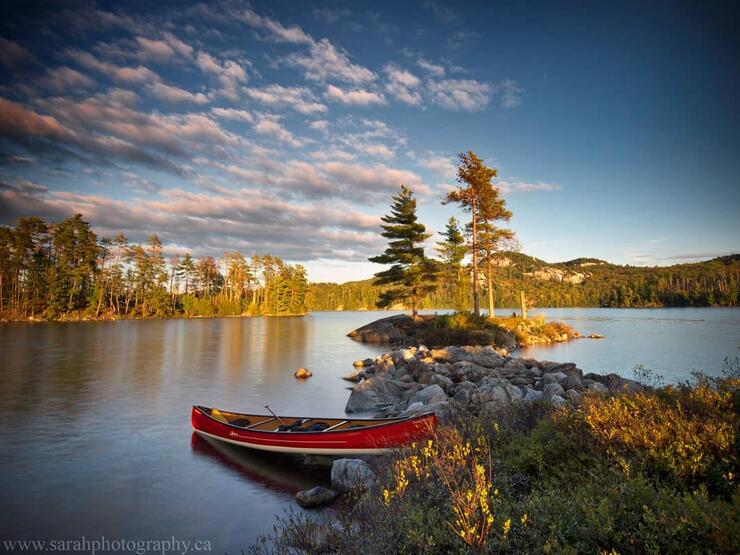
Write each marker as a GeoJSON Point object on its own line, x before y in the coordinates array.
{"type": "Point", "coordinates": [315, 497]}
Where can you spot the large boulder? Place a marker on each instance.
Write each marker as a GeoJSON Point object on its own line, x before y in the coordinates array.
{"type": "Point", "coordinates": [385, 330]}
{"type": "Point", "coordinates": [555, 377]}
{"type": "Point", "coordinates": [315, 497]}
{"type": "Point", "coordinates": [552, 390]}
{"type": "Point", "coordinates": [375, 392]}
{"type": "Point", "coordinates": [496, 390]}
{"type": "Point", "coordinates": [351, 474]}
{"type": "Point", "coordinates": [429, 395]}
{"type": "Point", "coordinates": [533, 395]}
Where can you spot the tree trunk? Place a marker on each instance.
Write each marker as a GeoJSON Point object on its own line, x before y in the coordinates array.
{"type": "Point", "coordinates": [489, 280]}
{"type": "Point", "coordinates": [524, 305]}
{"type": "Point", "coordinates": [476, 297]}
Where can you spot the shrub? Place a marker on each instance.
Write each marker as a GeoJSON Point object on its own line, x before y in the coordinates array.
{"type": "Point", "coordinates": [684, 434]}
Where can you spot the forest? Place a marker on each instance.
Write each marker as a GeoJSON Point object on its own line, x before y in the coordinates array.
{"type": "Point", "coordinates": [709, 283]}
{"type": "Point", "coordinates": [63, 270]}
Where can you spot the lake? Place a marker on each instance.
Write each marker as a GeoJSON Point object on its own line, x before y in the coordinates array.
{"type": "Point", "coordinates": [95, 431]}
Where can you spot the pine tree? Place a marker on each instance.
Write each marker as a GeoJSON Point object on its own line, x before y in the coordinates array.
{"type": "Point", "coordinates": [186, 271]}
{"type": "Point", "coordinates": [411, 272]}
{"type": "Point", "coordinates": [475, 190]}
{"type": "Point", "coordinates": [492, 239]}
{"type": "Point", "coordinates": [452, 251]}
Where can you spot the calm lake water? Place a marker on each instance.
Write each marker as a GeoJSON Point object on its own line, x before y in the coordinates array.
{"type": "Point", "coordinates": [95, 428]}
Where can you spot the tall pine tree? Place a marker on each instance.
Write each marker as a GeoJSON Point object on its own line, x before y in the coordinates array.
{"type": "Point", "coordinates": [491, 238]}
{"type": "Point", "coordinates": [475, 190]}
{"type": "Point", "coordinates": [412, 274]}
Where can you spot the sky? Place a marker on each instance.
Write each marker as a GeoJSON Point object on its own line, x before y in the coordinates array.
{"type": "Point", "coordinates": [286, 127]}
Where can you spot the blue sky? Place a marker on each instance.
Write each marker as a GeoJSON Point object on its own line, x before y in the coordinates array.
{"type": "Point", "coordinates": [286, 127]}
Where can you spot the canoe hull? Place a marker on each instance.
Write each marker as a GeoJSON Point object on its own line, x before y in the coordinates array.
{"type": "Point", "coordinates": [368, 441]}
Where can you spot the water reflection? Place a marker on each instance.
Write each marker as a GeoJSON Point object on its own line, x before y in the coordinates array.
{"type": "Point", "coordinates": [283, 473]}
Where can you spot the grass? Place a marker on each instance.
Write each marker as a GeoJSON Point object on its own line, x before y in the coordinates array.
{"type": "Point", "coordinates": [464, 328]}
{"type": "Point", "coordinates": [654, 472]}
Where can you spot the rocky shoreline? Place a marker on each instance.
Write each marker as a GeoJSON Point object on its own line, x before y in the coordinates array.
{"type": "Point", "coordinates": [451, 382]}
{"type": "Point", "coordinates": [453, 379]}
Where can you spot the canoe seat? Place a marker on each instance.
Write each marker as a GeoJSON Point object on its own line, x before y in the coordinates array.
{"type": "Point", "coordinates": [241, 422]}
{"type": "Point", "coordinates": [355, 426]}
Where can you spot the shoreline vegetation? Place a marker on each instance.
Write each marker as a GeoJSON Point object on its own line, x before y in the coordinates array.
{"type": "Point", "coordinates": [63, 272]}
{"type": "Point", "coordinates": [531, 457]}
{"type": "Point", "coordinates": [464, 328]}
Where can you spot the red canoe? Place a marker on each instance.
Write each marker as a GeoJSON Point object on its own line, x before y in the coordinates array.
{"type": "Point", "coordinates": [319, 436]}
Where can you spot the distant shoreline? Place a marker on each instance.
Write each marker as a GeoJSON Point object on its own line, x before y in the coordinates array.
{"type": "Point", "coordinates": [502, 312]}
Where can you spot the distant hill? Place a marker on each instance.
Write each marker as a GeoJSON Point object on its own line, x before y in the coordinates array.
{"type": "Point", "coordinates": [579, 282]}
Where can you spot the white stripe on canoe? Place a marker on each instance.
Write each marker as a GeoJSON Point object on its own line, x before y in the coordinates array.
{"type": "Point", "coordinates": [308, 450]}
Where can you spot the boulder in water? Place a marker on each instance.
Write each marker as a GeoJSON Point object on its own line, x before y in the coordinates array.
{"type": "Point", "coordinates": [302, 374]}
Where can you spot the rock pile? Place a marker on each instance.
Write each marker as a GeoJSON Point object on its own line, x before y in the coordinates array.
{"type": "Point", "coordinates": [415, 380]}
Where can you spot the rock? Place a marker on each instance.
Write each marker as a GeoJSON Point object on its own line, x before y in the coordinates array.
{"type": "Point", "coordinates": [552, 389]}
{"type": "Point", "coordinates": [350, 474]}
{"type": "Point", "coordinates": [462, 397]}
{"type": "Point", "coordinates": [430, 395]}
{"type": "Point", "coordinates": [618, 384]}
{"type": "Point", "coordinates": [597, 387]}
{"type": "Point", "coordinates": [530, 363]}
{"type": "Point", "coordinates": [302, 374]}
{"type": "Point", "coordinates": [493, 389]}
{"type": "Point", "coordinates": [363, 362]}
{"type": "Point", "coordinates": [469, 371]}
{"type": "Point", "coordinates": [594, 336]}
{"type": "Point", "coordinates": [375, 391]}
{"type": "Point", "coordinates": [557, 400]}
{"type": "Point", "coordinates": [443, 410]}
{"type": "Point", "coordinates": [315, 497]}
{"type": "Point", "coordinates": [573, 397]}
{"type": "Point", "coordinates": [555, 377]}
{"type": "Point", "coordinates": [533, 395]}
{"type": "Point", "coordinates": [385, 330]}
{"type": "Point", "coordinates": [573, 382]}
{"type": "Point", "coordinates": [406, 378]}
{"type": "Point", "coordinates": [357, 375]}
{"type": "Point", "coordinates": [408, 354]}
{"type": "Point", "coordinates": [443, 381]}
{"type": "Point", "coordinates": [415, 406]}
{"type": "Point", "coordinates": [601, 378]}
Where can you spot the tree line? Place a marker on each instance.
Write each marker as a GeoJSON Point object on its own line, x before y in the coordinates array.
{"type": "Point", "coordinates": [482, 255]}
{"type": "Point", "coordinates": [62, 270]}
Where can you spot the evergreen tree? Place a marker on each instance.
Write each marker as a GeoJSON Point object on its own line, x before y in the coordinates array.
{"type": "Point", "coordinates": [186, 271]}
{"type": "Point", "coordinates": [492, 239]}
{"type": "Point", "coordinates": [412, 274]}
{"type": "Point", "coordinates": [475, 190]}
{"type": "Point", "coordinates": [452, 251]}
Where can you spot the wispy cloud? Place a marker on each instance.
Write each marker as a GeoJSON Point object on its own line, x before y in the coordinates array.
{"type": "Point", "coordinates": [354, 97]}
